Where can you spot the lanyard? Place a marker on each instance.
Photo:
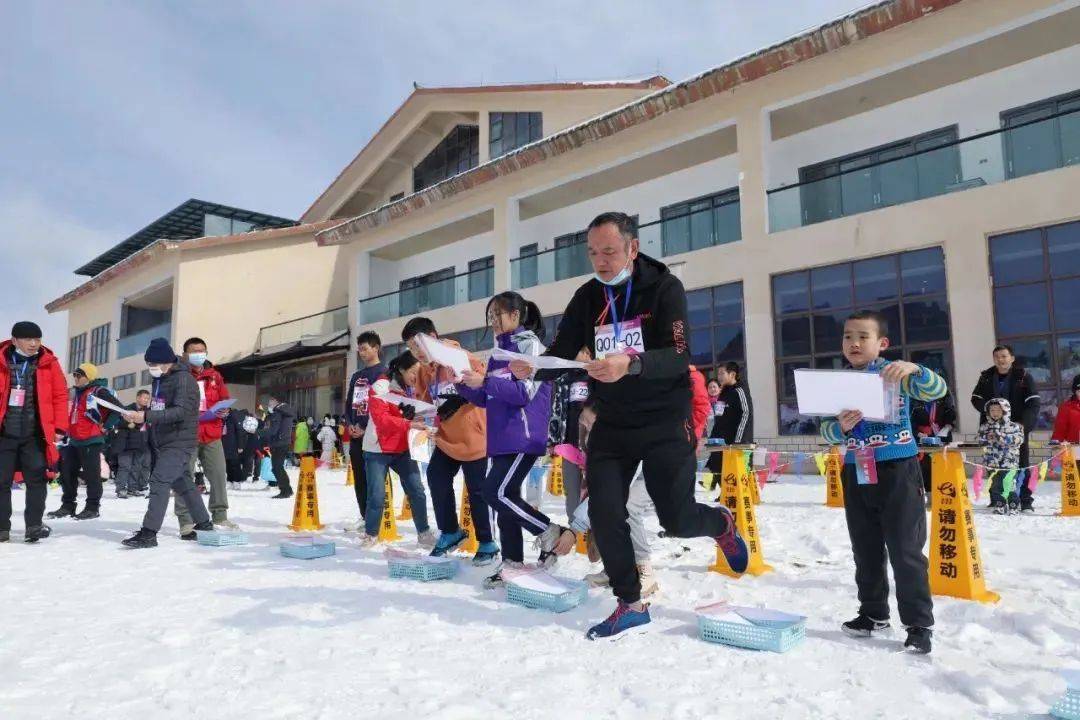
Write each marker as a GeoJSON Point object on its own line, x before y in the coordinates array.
{"type": "Point", "coordinates": [613, 307]}
{"type": "Point", "coordinates": [20, 372]}
{"type": "Point", "coordinates": [157, 386]}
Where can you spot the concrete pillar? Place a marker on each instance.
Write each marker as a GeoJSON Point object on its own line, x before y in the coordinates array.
{"type": "Point", "coordinates": [359, 288]}
{"type": "Point", "coordinates": [485, 137]}
{"type": "Point", "coordinates": [751, 132]}
{"type": "Point", "coordinates": [507, 217]}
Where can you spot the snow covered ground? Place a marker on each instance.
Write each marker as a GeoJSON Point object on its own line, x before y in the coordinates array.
{"type": "Point", "coordinates": [92, 630]}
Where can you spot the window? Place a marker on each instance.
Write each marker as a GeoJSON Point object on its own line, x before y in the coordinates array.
{"type": "Point", "coordinates": [474, 340]}
{"type": "Point", "coordinates": [571, 255]}
{"type": "Point", "coordinates": [511, 130]}
{"type": "Point", "coordinates": [892, 174]}
{"type": "Point", "coordinates": [214, 225]}
{"type": "Point", "coordinates": [1036, 280]}
{"type": "Point", "coordinates": [124, 382]}
{"type": "Point", "coordinates": [99, 344]}
{"type": "Point", "coordinates": [701, 223]}
{"type": "Point", "coordinates": [551, 326]}
{"type": "Point", "coordinates": [481, 277]}
{"type": "Point", "coordinates": [527, 266]}
{"type": "Point", "coordinates": [715, 318]}
{"type": "Point", "coordinates": [459, 151]}
{"type": "Point", "coordinates": [810, 306]}
{"type": "Point", "coordinates": [427, 292]}
{"type": "Point", "coordinates": [397, 196]}
{"type": "Point", "coordinates": [145, 378]}
{"type": "Point", "coordinates": [77, 351]}
{"type": "Point", "coordinates": [1050, 140]}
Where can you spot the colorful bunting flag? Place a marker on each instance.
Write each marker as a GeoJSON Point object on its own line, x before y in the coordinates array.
{"type": "Point", "coordinates": [977, 480]}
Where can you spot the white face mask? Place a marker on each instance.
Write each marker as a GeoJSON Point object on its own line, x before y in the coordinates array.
{"type": "Point", "coordinates": [25, 355]}
{"type": "Point", "coordinates": [622, 276]}
{"type": "Point", "coordinates": [197, 359]}
{"type": "Point", "coordinates": [154, 371]}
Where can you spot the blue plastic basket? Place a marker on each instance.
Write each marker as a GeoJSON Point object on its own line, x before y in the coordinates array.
{"type": "Point", "coordinates": [307, 550]}
{"type": "Point", "coordinates": [219, 538]}
{"type": "Point", "coordinates": [1068, 707]}
{"type": "Point", "coordinates": [776, 636]}
{"type": "Point", "coordinates": [577, 592]}
{"type": "Point", "coordinates": [417, 568]}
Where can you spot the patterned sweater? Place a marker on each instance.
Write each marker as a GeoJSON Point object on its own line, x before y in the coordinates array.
{"type": "Point", "coordinates": [891, 441]}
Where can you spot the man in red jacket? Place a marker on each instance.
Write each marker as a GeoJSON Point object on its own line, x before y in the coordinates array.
{"type": "Point", "coordinates": [1067, 424]}
{"type": "Point", "coordinates": [33, 416]}
{"type": "Point", "coordinates": [210, 453]}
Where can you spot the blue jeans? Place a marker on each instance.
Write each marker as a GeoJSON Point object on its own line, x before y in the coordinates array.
{"type": "Point", "coordinates": [376, 465]}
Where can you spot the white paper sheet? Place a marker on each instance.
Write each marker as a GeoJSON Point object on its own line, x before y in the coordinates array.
{"type": "Point", "coordinates": [421, 407]}
{"type": "Point", "coordinates": [418, 446]}
{"type": "Point", "coordinates": [541, 362]}
{"type": "Point", "coordinates": [454, 358]}
{"type": "Point", "coordinates": [828, 392]}
{"type": "Point", "coordinates": [95, 400]}
{"type": "Point", "coordinates": [759, 615]}
{"type": "Point", "coordinates": [540, 581]}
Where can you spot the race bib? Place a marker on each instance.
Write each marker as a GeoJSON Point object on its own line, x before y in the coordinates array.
{"type": "Point", "coordinates": [360, 397]}
{"type": "Point", "coordinates": [579, 392]}
{"type": "Point", "coordinates": [865, 466]}
{"type": "Point", "coordinates": [17, 397]}
{"type": "Point", "coordinates": [631, 342]}
{"type": "Point", "coordinates": [157, 404]}
{"type": "Point", "coordinates": [202, 395]}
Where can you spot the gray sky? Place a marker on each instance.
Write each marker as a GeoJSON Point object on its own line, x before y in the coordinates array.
{"type": "Point", "coordinates": [114, 112]}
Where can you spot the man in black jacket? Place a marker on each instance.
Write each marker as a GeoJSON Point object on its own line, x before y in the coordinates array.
{"type": "Point", "coordinates": [1008, 380]}
{"type": "Point", "coordinates": [632, 316]}
{"type": "Point", "coordinates": [174, 423]}
{"type": "Point", "coordinates": [132, 444]}
{"type": "Point", "coordinates": [277, 435]}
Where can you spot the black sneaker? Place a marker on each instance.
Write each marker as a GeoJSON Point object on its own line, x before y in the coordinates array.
{"type": "Point", "coordinates": [1000, 508]}
{"type": "Point", "coordinates": [193, 535]}
{"type": "Point", "coordinates": [88, 513]}
{"type": "Point", "coordinates": [62, 512]}
{"type": "Point", "coordinates": [143, 539]}
{"type": "Point", "coordinates": [918, 640]}
{"type": "Point", "coordinates": [282, 495]}
{"type": "Point", "coordinates": [37, 532]}
{"type": "Point", "coordinates": [1014, 506]}
{"type": "Point", "coordinates": [864, 626]}
{"type": "Point", "coordinates": [1027, 508]}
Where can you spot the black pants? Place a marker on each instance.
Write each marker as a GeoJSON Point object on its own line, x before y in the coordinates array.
{"type": "Point", "coordinates": [359, 473]}
{"type": "Point", "coordinates": [84, 459]}
{"type": "Point", "coordinates": [1026, 499]}
{"type": "Point", "coordinates": [440, 479]}
{"type": "Point", "coordinates": [887, 522]}
{"type": "Point", "coordinates": [277, 464]}
{"type": "Point", "coordinates": [233, 469]}
{"type": "Point", "coordinates": [666, 447]}
{"type": "Point", "coordinates": [170, 475]}
{"type": "Point", "coordinates": [27, 456]}
{"type": "Point", "coordinates": [502, 491]}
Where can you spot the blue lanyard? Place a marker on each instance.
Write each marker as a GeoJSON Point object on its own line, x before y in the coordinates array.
{"type": "Point", "coordinates": [20, 372]}
{"type": "Point", "coordinates": [614, 309]}
{"type": "Point", "coordinates": [157, 385]}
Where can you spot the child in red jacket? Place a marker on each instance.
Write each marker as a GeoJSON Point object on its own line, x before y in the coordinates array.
{"type": "Point", "coordinates": [1067, 424]}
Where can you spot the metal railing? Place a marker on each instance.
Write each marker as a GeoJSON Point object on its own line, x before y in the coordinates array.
{"type": "Point", "coordinates": [136, 343]}
{"type": "Point", "coordinates": [449, 291]}
{"type": "Point", "coordinates": [318, 325]}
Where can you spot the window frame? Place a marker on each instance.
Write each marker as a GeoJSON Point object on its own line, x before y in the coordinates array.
{"type": "Point", "coordinates": [475, 269]}
{"type": "Point", "coordinates": [123, 382]}
{"type": "Point", "coordinates": [76, 351]}
{"type": "Point", "coordinates": [99, 344]}
{"type": "Point", "coordinates": [457, 152]}
{"type": "Point", "coordinates": [420, 282]}
{"type": "Point", "coordinates": [497, 131]}
{"type": "Point", "coordinates": [712, 326]}
{"type": "Point", "coordinates": [1053, 107]}
{"type": "Point", "coordinates": [683, 209]}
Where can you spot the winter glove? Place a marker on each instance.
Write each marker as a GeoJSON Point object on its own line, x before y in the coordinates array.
{"type": "Point", "coordinates": [407, 411]}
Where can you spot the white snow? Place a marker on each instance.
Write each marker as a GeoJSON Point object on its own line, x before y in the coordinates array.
{"type": "Point", "coordinates": [92, 630]}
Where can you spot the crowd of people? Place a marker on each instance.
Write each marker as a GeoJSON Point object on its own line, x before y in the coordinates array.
{"type": "Point", "coordinates": [629, 421]}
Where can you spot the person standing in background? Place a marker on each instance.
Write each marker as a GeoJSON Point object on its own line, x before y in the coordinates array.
{"type": "Point", "coordinates": [369, 369]}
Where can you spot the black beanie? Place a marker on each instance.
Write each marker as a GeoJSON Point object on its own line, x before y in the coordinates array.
{"type": "Point", "coordinates": [159, 352]}
{"type": "Point", "coordinates": [25, 330]}
{"type": "Point", "coordinates": [1076, 383]}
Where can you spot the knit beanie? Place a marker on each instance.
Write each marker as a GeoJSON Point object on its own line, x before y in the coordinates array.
{"type": "Point", "coordinates": [26, 330]}
{"type": "Point", "coordinates": [1076, 383]}
{"type": "Point", "coordinates": [159, 352]}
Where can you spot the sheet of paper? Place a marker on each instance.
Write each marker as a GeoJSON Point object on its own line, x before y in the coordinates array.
{"type": "Point", "coordinates": [95, 400]}
{"type": "Point", "coordinates": [454, 358]}
{"type": "Point", "coordinates": [421, 407]}
{"type": "Point", "coordinates": [541, 362]}
{"type": "Point", "coordinates": [418, 446]}
{"type": "Point", "coordinates": [540, 581]}
{"type": "Point", "coordinates": [219, 405]}
{"type": "Point", "coordinates": [827, 392]}
{"type": "Point", "coordinates": [723, 612]}
{"type": "Point", "coordinates": [759, 615]}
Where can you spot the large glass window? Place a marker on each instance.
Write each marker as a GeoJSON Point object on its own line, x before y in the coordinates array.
{"type": "Point", "coordinates": [892, 174]}
{"type": "Point", "coordinates": [77, 351]}
{"type": "Point", "coordinates": [145, 378]}
{"type": "Point", "coordinates": [528, 266]}
{"type": "Point", "coordinates": [715, 319]}
{"type": "Point", "coordinates": [810, 307]}
{"type": "Point", "coordinates": [124, 382]}
{"type": "Point", "coordinates": [99, 344]}
{"type": "Point", "coordinates": [511, 130]}
{"type": "Point", "coordinates": [459, 151]}
{"type": "Point", "coordinates": [1042, 136]}
{"type": "Point", "coordinates": [1036, 277]}
{"type": "Point", "coordinates": [214, 225]}
{"type": "Point", "coordinates": [700, 223]}
{"type": "Point", "coordinates": [481, 277]}
{"type": "Point", "coordinates": [571, 255]}
{"type": "Point", "coordinates": [427, 292]}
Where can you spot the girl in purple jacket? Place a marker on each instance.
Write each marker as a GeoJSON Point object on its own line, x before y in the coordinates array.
{"type": "Point", "coordinates": [517, 421]}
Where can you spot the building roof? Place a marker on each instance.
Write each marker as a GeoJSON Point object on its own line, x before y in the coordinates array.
{"type": "Point", "coordinates": [842, 32]}
{"type": "Point", "coordinates": [653, 82]}
{"type": "Point", "coordinates": [182, 223]}
{"type": "Point", "coordinates": [157, 248]}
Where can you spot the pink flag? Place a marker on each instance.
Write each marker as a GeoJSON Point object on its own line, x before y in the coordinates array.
{"type": "Point", "coordinates": [762, 477]}
{"type": "Point", "coordinates": [774, 460]}
{"type": "Point", "coordinates": [1033, 478]}
{"type": "Point", "coordinates": [977, 480]}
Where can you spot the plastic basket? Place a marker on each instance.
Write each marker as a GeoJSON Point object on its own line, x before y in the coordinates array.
{"type": "Point", "coordinates": [219, 538]}
{"type": "Point", "coordinates": [307, 548]}
{"type": "Point", "coordinates": [1068, 707]}
{"type": "Point", "coordinates": [773, 635]}
{"type": "Point", "coordinates": [417, 568]}
{"type": "Point", "coordinates": [576, 593]}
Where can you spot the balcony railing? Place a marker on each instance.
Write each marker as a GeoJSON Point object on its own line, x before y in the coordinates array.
{"type": "Point", "coordinates": [430, 296]}
{"type": "Point", "coordinates": [136, 343]}
{"type": "Point", "coordinates": [319, 325]}
{"type": "Point", "coordinates": [984, 159]}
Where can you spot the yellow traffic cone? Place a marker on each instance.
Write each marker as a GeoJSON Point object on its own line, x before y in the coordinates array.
{"type": "Point", "coordinates": [1070, 484]}
{"type": "Point", "coordinates": [834, 484]}
{"type": "Point", "coordinates": [349, 479]}
{"type": "Point", "coordinates": [956, 568]}
{"type": "Point", "coordinates": [582, 545]}
{"type": "Point", "coordinates": [388, 527]}
{"type": "Point", "coordinates": [555, 478]}
{"type": "Point", "coordinates": [735, 482]}
{"type": "Point", "coordinates": [406, 510]}
{"type": "Point", "coordinates": [306, 506]}
{"type": "Point", "coordinates": [470, 544]}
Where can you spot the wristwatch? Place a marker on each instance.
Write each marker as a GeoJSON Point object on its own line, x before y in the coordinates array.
{"type": "Point", "coordinates": [635, 365]}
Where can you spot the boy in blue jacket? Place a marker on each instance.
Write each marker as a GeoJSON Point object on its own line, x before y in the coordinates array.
{"type": "Point", "coordinates": [883, 490]}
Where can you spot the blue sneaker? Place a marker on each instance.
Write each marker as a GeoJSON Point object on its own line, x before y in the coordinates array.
{"type": "Point", "coordinates": [623, 619]}
{"type": "Point", "coordinates": [733, 546]}
{"type": "Point", "coordinates": [447, 542]}
{"type": "Point", "coordinates": [485, 554]}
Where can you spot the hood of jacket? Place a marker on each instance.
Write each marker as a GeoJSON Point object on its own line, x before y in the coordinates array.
{"type": "Point", "coordinates": [1005, 406]}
